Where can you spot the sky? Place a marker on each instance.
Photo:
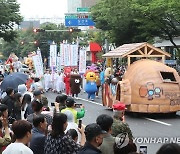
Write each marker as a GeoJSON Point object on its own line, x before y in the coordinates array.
{"type": "Point", "coordinates": [42, 8]}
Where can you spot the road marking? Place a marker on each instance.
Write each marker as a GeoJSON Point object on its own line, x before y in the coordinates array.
{"type": "Point", "coordinates": [164, 123]}
{"type": "Point", "coordinates": [89, 101]}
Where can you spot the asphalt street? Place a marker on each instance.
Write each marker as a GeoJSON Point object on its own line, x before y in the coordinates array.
{"type": "Point", "coordinates": [150, 130]}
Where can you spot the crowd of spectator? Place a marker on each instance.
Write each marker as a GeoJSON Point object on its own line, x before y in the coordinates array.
{"type": "Point", "coordinates": [43, 132]}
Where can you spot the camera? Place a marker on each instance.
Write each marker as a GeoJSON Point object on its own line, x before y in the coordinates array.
{"type": "Point", "coordinates": [77, 105]}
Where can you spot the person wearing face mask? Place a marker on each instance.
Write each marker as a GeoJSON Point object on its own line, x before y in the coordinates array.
{"type": "Point", "coordinates": [94, 138]}
{"type": "Point", "coordinates": [38, 134]}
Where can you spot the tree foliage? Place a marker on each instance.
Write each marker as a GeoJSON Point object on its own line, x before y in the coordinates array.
{"type": "Point", "coordinates": [44, 39]}
{"type": "Point", "coordinates": [9, 17]}
{"type": "Point", "coordinates": [129, 21]}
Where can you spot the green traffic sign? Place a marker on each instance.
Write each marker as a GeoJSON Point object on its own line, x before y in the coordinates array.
{"type": "Point", "coordinates": [71, 17]}
{"type": "Point", "coordinates": [83, 9]}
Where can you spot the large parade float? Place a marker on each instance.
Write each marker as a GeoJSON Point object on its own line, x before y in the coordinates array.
{"type": "Point", "coordinates": [148, 85]}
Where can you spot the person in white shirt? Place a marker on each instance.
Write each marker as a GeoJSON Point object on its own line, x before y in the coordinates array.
{"type": "Point", "coordinates": [22, 131]}
{"type": "Point", "coordinates": [59, 83]}
{"type": "Point", "coordinates": [47, 80]}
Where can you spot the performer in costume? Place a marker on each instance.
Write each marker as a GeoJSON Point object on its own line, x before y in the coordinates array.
{"type": "Point", "coordinates": [67, 72]}
{"type": "Point", "coordinates": [75, 83]}
{"type": "Point", "coordinates": [91, 86]}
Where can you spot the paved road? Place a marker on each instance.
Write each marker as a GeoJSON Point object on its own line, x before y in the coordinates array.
{"type": "Point", "coordinates": [156, 129]}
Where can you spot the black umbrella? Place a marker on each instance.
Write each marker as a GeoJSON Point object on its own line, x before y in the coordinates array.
{"type": "Point", "coordinates": [14, 80]}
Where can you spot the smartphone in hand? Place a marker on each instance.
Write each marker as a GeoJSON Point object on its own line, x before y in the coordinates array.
{"type": "Point", "coordinates": [77, 105]}
{"type": "Point", "coordinates": [143, 149]}
{"type": "Point", "coordinates": [80, 123]}
{"type": "Point", "coordinates": [52, 104]}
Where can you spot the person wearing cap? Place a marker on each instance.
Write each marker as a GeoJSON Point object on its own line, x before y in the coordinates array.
{"type": "Point", "coordinates": [94, 138]}
{"type": "Point", "coordinates": [70, 103]}
{"type": "Point", "coordinates": [105, 122]}
{"type": "Point", "coordinates": [118, 111]}
{"type": "Point", "coordinates": [119, 126]}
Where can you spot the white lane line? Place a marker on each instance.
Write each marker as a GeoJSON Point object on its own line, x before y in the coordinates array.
{"type": "Point", "coordinates": [86, 100]}
{"type": "Point", "coordinates": [163, 123]}
{"type": "Point", "coordinates": [89, 101]}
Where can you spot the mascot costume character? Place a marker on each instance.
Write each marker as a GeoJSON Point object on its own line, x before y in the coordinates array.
{"type": "Point", "coordinates": [29, 60]}
{"type": "Point", "coordinates": [75, 83]}
{"type": "Point", "coordinates": [9, 63]}
{"type": "Point", "coordinates": [107, 101]}
{"type": "Point", "coordinates": [91, 86]}
{"type": "Point", "coordinates": [67, 73]}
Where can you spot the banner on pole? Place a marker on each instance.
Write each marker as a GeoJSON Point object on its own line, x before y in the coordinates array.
{"type": "Point", "coordinates": [53, 55]}
{"type": "Point", "coordinates": [82, 61]}
{"type": "Point", "coordinates": [58, 63]}
{"type": "Point", "coordinates": [38, 66]}
{"type": "Point", "coordinates": [74, 54]}
{"type": "Point", "coordinates": [62, 54]}
{"type": "Point", "coordinates": [67, 55]}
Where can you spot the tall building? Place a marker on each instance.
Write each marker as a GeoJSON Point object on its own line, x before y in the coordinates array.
{"type": "Point", "coordinates": [72, 5]}
{"type": "Point", "coordinates": [88, 3]}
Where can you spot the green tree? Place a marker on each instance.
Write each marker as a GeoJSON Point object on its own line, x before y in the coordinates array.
{"type": "Point", "coordinates": [129, 21]}
{"type": "Point", "coordinates": [9, 17]}
{"type": "Point", "coordinates": [160, 17]}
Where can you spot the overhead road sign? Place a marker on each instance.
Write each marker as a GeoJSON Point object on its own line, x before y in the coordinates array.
{"type": "Point", "coordinates": [83, 9]}
{"type": "Point", "coordinates": [79, 22]}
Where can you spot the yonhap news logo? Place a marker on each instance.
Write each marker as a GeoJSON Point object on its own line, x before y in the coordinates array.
{"type": "Point", "coordinates": [156, 140]}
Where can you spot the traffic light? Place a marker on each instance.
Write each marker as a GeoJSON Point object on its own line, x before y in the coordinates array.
{"type": "Point", "coordinates": [22, 42]}
{"type": "Point", "coordinates": [36, 30]}
{"type": "Point", "coordinates": [36, 43]}
{"type": "Point", "coordinates": [71, 30]}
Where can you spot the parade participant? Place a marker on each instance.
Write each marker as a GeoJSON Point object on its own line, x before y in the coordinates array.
{"type": "Point", "coordinates": [54, 77]}
{"type": "Point", "coordinates": [38, 134]}
{"type": "Point", "coordinates": [91, 86]}
{"type": "Point", "coordinates": [60, 86]}
{"type": "Point", "coordinates": [67, 72]}
{"type": "Point", "coordinates": [29, 60]}
{"type": "Point", "coordinates": [47, 80]}
{"type": "Point", "coordinates": [29, 81]}
{"type": "Point", "coordinates": [70, 103]}
{"type": "Point", "coordinates": [113, 87]}
{"type": "Point", "coordinates": [94, 138]}
{"type": "Point", "coordinates": [75, 83]}
{"type": "Point", "coordinates": [98, 82]}
{"type": "Point", "coordinates": [22, 131]}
